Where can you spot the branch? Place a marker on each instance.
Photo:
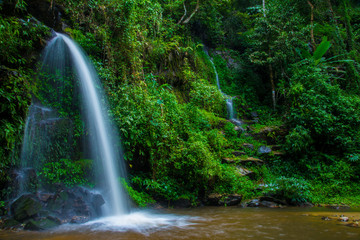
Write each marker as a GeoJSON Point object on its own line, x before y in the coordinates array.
{"type": "Point", "coordinates": [179, 22]}
{"type": "Point", "coordinates": [192, 14]}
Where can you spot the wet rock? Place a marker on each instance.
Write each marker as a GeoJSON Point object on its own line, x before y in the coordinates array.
{"type": "Point", "coordinates": [326, 218]}
{"type": "Point", "coordinates": [79, 219]}
{"type": "Point", "coordinates": [254, 203]}
{"type": "Point", "coordinates": [269, 204]}
{"type": "Point", "coordinates": [230, 200]}
{"type": "Point", "coordinates": [24, 180]}
{"type": "Point", "coordinates": [264, 203]}
{"type": "Point", "coordinates": [343, 219]}
{"type": "Point", "coordinates": [181, 203]}
{"type": "Point", "coordinates": [10, 223]}
{"type": "Point", "coordinates": [216, 199]}
{"type": "Point", "coordinates": [97, 201]}
{"type": "Point", "coordinates": [264, 150]}
{"type": "Point", "coordinates": [41, 224]}
{"type": "Point", "coordinates": [272, 199]}
{"type": "Point", "coordinates": [26, 206]}
{"type": "Point", "coordinates": [54, 219]}
{"type": "Point", "coordinates": [354, 224]}
{"type": "Point", "coordinates": [44, 197]}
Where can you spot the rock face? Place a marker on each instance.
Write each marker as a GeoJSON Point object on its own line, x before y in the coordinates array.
{"type": "Point", "coordinates": [48, 210]}
{"type": "Point", "coordinates": [77, 201]}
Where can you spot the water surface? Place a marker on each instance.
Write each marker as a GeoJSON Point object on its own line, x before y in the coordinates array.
{"type": "Point", "coordinates": [207, 223]}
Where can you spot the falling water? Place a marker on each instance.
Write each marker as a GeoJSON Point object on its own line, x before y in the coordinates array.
{"type": "Point", "coordinates": [104, 140]}
{"type": "Point", "coordinates": [65, 75]}
{"type": "Point", "coordinates": [229, 99]}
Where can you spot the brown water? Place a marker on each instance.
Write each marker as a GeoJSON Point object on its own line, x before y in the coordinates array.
{"type": "Point", "coordinates": [207, 223]}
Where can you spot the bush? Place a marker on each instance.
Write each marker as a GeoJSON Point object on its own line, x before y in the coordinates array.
{"type": "Point", "coordinates": [66, 171]}
{"type": "Point", "coordinates": [293, 190]}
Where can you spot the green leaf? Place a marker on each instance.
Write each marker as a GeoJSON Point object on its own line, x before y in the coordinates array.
{"type": "Point", "coordinates": [321, 50]}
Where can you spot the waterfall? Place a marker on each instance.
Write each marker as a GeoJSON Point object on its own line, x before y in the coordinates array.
{"type": "Point", "coordinates": [64, 59]}
{"type": "Point", "coordinates": [229, 99]}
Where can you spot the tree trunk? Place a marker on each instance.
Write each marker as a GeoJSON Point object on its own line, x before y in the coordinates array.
{"type": "Point", "coordinates": [312, 25]}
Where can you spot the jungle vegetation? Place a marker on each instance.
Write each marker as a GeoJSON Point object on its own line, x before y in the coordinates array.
{"type": "Point", "coordinates": [292, 67]}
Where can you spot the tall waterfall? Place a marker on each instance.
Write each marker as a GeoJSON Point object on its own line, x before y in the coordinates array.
{"type": "Point", "coordinates": [63, 59]}
{"type": "Point", "coordinates": [229, 99]}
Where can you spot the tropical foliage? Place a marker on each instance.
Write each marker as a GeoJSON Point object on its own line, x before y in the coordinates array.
{"type": "Point", "coordinates": [292, 66]}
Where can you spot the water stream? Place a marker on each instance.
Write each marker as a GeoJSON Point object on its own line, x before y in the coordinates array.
{"type": "Point", "coordinates": [207, 223]}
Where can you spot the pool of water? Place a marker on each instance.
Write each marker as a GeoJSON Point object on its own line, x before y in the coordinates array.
{"type": "Point", "coordinates": [206, 223]}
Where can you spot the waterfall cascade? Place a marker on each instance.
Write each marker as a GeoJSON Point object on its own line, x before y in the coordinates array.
{"type": "Point", "coordinates": [229, 99]}
{"type": "Point", "coordinates": [62, 55]}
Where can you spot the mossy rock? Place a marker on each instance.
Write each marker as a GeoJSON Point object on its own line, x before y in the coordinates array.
{"type": "Point", "coordinates": [41, 224]}
{"type": "Point", "coordinates": [26, 206]}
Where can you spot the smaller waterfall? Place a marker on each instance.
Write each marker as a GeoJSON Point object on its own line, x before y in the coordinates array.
{"type": "Point", "coordinates": [229, 99]}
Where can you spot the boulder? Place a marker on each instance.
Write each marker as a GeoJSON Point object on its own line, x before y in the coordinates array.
{"type": "Point", "coordinates": [76, 201]}
{"type": "Point", "coordinates": [26, 206]}
{"type": "Point", "coordinates": [41, 224]}
{"type": "Point", "coordinates": [79, 219]}
{"type": "Point", "coordinates": [264, 150]}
